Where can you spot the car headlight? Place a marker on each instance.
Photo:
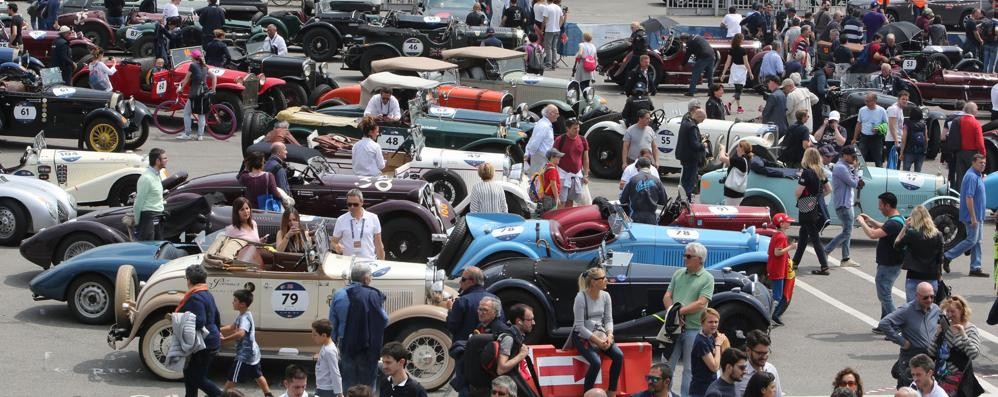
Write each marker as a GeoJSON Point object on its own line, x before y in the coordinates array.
{"type": "Point", "coordinates": [571, 95]}
{"type": "Point", "coordinates": [589, 93]}
{"type": "Point", "coordinates": [307, 67]}
{"type": "Point", "coordinates": [523, 110]}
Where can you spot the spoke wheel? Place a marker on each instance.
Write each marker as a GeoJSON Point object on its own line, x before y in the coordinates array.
{"type": "Point", "coordinates": [165, 113]}
{"type": "Point", "coordinates": [102, 136]}
{"type": "Point", "coordinates": [431, 365]}
{"type": "Point", "coordinates": [154, 343]}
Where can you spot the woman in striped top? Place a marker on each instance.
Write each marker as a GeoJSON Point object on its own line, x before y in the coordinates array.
{"type": "Point", "coordinates": [488, 196]}
{"type": "Point", "coordinates": [959, 342]}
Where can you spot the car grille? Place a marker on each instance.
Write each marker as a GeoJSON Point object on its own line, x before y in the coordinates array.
{"type": "Point", "coordinates": [673, 256]}
{"type": "Point", "coordinates": [63, 212]}
{"type": "Point", "coordinates": [398, 299]}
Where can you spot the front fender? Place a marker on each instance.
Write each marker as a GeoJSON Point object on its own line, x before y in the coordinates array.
{"type": "Point", "coordinates": [140, 113]}
{"type": "Point", "coordinates": [563, 107]}
{"type": "Point", "coordinates": [393, 208]}
{"type": "Point", "coordinates": [726, 297]}
{"type": "Point", "coordinates": [113, 115]}
{"type": "Point", "coordinates": [494, 247]}
{"type": "Point", "coordinates": [237, 88]}
{"type": "Point", "coordinates": [615, 126]}
{"type": "Point", "coordinates": [513, 283]}
{"type": "Point", "coordinates": [98, 189]}
{"type": "Point", "coordinates": [418, 312]}
{"type": "Point", "coordinates": [741, 262]}
{"type": "Point", "coordinates": [165, 301]}
{"type": "Point", "coordinates": [769, 195]}
{"type": "Point", "coordinates": [282, 28]}
{"type": "Point", "coordinates": [269, 83]}
{"type": "Point", "coordinates": [104, 26]}
{"type": "Point", "coordinates": [943, 200]}
{"type": "Point", "coordinates": [317, 24]}
{"type": "Point", "coordinates": [39, 248]}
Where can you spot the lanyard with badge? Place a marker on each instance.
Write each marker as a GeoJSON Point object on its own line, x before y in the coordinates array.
{"type": "Point", "coordinates": [356, 241]}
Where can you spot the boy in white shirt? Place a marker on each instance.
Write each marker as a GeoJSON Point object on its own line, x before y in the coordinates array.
{"type": "Point", "coordinates": [243, 329]}
{"type": "Point", "coordinates": [328, 382]}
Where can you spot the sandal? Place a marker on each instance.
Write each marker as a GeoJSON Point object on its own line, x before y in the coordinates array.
{"type": "Point", "coordinates": [822, 272]}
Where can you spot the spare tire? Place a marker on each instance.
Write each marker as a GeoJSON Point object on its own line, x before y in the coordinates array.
{"type": "Point", "coordinates": [125, 290]}
{"type": "Point", "coordinates": [317, 92]}
{"type": "Point", "coordinates": [455, 246]}
{"type": "Point", "coordinates": [613, 49]}
{"type": "Point", "coordinates": [448, 184]}
{"type": "Point", "coordinates": [254, 123]}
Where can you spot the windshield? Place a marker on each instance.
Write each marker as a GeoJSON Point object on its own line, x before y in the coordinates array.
{"type": "Point", "coordinates": [256, 47]}
{"type": "Point", "coordinates": [509, 65]}
{"type": "Point", "coordinates": [51, 76]}
{"type": "Point", "coordinates": [446, 76]}
{"type": "Point", "coordinates": [858, 80]}
{"type": "Point", "coordinates": [181, 55]}
{"type": "Point", "coordinates": [462, 4]}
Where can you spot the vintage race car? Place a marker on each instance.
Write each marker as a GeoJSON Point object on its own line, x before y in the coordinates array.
{"type": "Point", "coordinates": [130, 81]}
{"type": "Point", "coordinates": [242, 10]}
{"type": "Point", "coordinates": [304, 79]}
{"type": "Point", "coordinates": [92, 178]}
{"type": "Point", "coordinates": [289, 301]}
{"type": "Point", "coordinates": [414, 220]}
{"type": "Point", "coordinates": [389, 41]}
{"type": "Point", "coordinates": [140, 39]}
{"type": "Point", "coordinates": [449, 95]}
{"type": "Point", "coordinates": [606, 140]}
{"type": "Point", "coordinates": [952, 12]}
{"type": "Point", "coordinates": [911, 188]}
{"type": "Point", "coordinates": [332, 27]}
{"type": "Point", "coordinates": [38, 43]}
{"type": "Point", "coordinates": [549, 286]}
{"type": "Point", "coordinates": [481, 239]}
{"type": "Point", "coordinates": [108, 122]}
{"type": "Point", "coordinates": [28, 205]}
{"type": "Point", "coordinates": [592, 219]}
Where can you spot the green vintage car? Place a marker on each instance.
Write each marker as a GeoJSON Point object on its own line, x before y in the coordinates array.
{"type": "Point", "coordinates": [140, 40]}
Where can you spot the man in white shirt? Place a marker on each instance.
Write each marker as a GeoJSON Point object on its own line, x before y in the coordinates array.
{"type": "Point", "coordinates": [358, 232]}
{"type": "Point", "coordinates": [757, 347]}
{"type": "Point", "coordinates": [895, 123]}
{"type": "Point", "coordinates": [295, 381]}
{"type": "Point", "coordinates": [922, 371]}
{"type": "Point", "coordinates": [275, 42]}
{"type": "Point", "coordinates": [632, 169]}
{"type": "Point", "coordinates": [553, 18]}
{"type": "Point", "coordinates": [384, 107]}
{"type": "Point", "coordinates": [170, 10]}
{"type": "Point", "coordinates": [367, 158]}
{"type": "Point", "coordinates": [541, 140]}
{"type": "Point", "coordinates": [732, 22]}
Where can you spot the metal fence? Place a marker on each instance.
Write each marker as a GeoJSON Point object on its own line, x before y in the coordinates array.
{"type": "Point", "coordinates": [720, 7]}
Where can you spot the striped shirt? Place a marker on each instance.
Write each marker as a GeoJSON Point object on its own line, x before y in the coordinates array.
{"type": "Point", "coordinates": [488, 196]}
{"type": "Point", "coordinates": [969, 342]}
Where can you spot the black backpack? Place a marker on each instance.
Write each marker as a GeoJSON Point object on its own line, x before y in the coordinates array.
{"type": "Point", "coordinates": [954, 139]}
{"type": "Point", "coordinates": [917, 141]}
{"type": "Point", "coordinates": [480, 372]}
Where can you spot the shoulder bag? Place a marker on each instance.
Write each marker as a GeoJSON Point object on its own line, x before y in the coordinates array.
{"type": "Point", "coordinates": [737, 179]}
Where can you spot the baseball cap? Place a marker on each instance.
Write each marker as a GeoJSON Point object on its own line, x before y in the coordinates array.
{"type": "Point", "coordinates": [849, 149]}
{"type": "Point", "coordinates": [781, 217]}
{"type": "Point", "coordinates": [196, 54]}
{"type": "Point", "coordinates": [834, 115]}
{"type": "Point", "coordinates": [554, 153]}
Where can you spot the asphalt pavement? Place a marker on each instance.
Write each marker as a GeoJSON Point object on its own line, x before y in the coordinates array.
{"type": "Point", "coordinates": [827, 325]}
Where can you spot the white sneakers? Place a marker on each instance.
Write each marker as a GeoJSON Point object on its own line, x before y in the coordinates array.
{"type": "Point", "coordinates": [848, 263]}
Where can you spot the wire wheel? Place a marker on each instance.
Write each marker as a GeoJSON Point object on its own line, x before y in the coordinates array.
{"type": "Point", "coordinates": [280, 3]}
{"type": "Point", "coordinates": [104, 137]}
{"type": "Point", "coordinates": [167, 111]}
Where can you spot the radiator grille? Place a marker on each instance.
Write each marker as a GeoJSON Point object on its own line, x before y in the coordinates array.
{"type": "Point", "coordinates": [673, 256]}
{"type": "Point", "coordinates": [398, 299]}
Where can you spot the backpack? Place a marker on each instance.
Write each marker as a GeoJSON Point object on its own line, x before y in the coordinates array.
{"type": "Point", "coordinates": [954, 139]}
{"type": "Point", "coordinates": [589, 63]}
{"type": "Point", "coordinates": [480, 372]}
{"type": "Point", "coordinates": [538, 185]}
{"type": "Point", "coordinates": [535, 57]}
{"type": "Point", "coordinates": [96, 82]}
{"type": "Point", "coordinates": [917, 139]}
{"type": "Point", "coordinates": [864, 56]}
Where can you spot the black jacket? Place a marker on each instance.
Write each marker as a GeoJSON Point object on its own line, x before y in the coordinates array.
{"type": "Point", "coordinates": [636, 75]}
{"type": "Point", "coordinates": [639, 42]}
{"type": "Point", "coordinates": [633, 105]}
{"type": "Point", "coordinates": [462, 318]}
{"type": "Point", "coordinates": [216, 53]}
{"type": "Point", "coordinates": [689, 144]}
{"type": "Point", "coordinates": [60, 57]}
{"type": "Point", "coordinates": [642, 194]}
{"type": "Point", "coordinates": [211, 17]}
{"type": "Point", "coordinates": [114, 7]}
{"type": "Point", "coordinates": [922, 255]}
{"type": "Point", "coordinates": [366, 322]}
{"type": "Point", "coordinates": [714, 108]}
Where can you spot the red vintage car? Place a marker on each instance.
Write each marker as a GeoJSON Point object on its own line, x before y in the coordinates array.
{"type": "Point", "coordinates": [592, 219]}
{"type": "Point", "coordinates": [131, 81]}
{"type": "Point", "coordinates": [943, 87]}
{"type": "Point", "coordinates": [93, 24]}
{"type": "Point", "coordinates": [38, 43]}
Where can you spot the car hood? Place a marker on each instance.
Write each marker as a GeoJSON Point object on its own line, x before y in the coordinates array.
{"type": "Point", "coordinates": [520, 77]}
{"type": "Point", "coordinates": [122, 252]}
{"type": "Point", "coordinates": [44, 190]}
{"type": "Point", "coordinates": [217, 180]}
{"type": "Point", "coordinates": [78, 93]}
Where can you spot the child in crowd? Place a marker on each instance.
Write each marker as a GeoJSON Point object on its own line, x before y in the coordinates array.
{"type": "Point", "coordinates": [328, 382]}
{"type": "Point", "coordinates": [247, 363]}
{"type": "Point", "coordinates": [552, 180]}
{"type": "Point", "coordinates": [778, 264]}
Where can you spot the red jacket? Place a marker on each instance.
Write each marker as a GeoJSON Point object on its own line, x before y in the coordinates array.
{"type": "Point", "coordinates": [971, 135]}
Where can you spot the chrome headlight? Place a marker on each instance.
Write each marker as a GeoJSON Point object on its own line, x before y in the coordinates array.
{"type": "Point", "coordinates": [589, 93]}
{"type": "Point", "coordinates": [307, 65]}
{"type": "Point", "coordinates": [523, 111]}
{"type": "Point", "coordinates": [571, 95]}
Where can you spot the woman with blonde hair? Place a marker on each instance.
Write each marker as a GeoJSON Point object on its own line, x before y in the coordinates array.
{"type": "Point", "coordinates": [923, 251]}
{"type": "Point", "coordinates": [487, 195]}
{"type": "Point", "coordinates": [585, 58]}
{"type": "Point", "coordinates": [736, 181]}
{"type": "Point", "coordinates": [812, 187]}
{"type": "Point", "coordinates": [957, 343]}
{"type": "Point", "coordinates": [592, 331]}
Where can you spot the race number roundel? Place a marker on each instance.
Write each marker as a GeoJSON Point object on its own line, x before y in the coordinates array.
{"type": "Point", "coordinates": [666, 141]}
{"type": "Point", "coordinates": [723, 210]}
{"type": "Point", "coordinates": [161, 87]}
{"type": "Point", "coordinates": [507, 233]}
{"type": "Point", "coordinates": [911, 180]}
{"type": "Point", "coordinates": [25, 112]}
{"type": "Point", "coordinates": [683, 236]}
{"type": "Point", "coordinates": [289, 300]}
{"type": "Point", "coordinates": [412, 47]}
{"type": "Point", "coordinates": [133, 34]}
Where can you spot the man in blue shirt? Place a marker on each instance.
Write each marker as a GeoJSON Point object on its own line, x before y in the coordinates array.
{"type": "Point", "coordinates": [873, 20]}
{"type": "Point", "coordinates": [871, 119]}
{"type": "Point", "coordinates": [972, 199]}
{"type": "Point", "coordinates": [772, 64]}
{"type": "Point", "coordinates": [845, 179]}
{"type": "Point", "coordinates": [365, 329]}
{"type": "Point", "coordinates": [462, 319]}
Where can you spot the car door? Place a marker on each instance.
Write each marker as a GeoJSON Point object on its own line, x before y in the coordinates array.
{"type": "Point", "coordinates": [23, 115]}
{"type": "Point", "coordinates": [222, 283]}
{"type": "Point", "coordinates": [288, 300]}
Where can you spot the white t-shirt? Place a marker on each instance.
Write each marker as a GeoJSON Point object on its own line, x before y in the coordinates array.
{"type": "Point", "coordinates": [629, 172]}
{"type": "Point", "coordinates": [540, 9]}
{"type": "Point", "coordinates": [554, 14]}
{"type": "Point", "coordinates": [357, 235]}
{"type": "Point", "coordinates": [367, 158]}
{"type": "Point", "coordinates": [277, 43]}
{"type": "Point", "coordinates": [741, 385]}
{"type": "Point", "coordinates": [994, 98]}
{"type": "Point", "coordinates": [895, 112]}
{"type": "Point", "coordinates": [170, 10]}
{"type": "Point", "coordinates": [376, 108]}
{"type": "Point", "coordinates": [732, 23]}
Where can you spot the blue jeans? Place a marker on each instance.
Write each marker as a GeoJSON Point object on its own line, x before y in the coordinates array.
{"type": "Point", "coordinates": [688, 179]}
{"type": "Point", "coordinates": [778, 296]}
{"type": "Point", "coordinates": [845, 237]}
{"type": "Point", "coordinates": [359, 369]}
{"type": "Point", "coordinates": [972, 243]}
{"type": "Point", "coordinates": [684, 349]}
{"type": "Point", "coordinates": [910, 160]}
{"type": "Point", "coordinates": [116, 21]}
{"type": "Point", "coordinates": [988, 55]}
{"type": "Point", "coordinates": [700, 67]}
{"type": "Point", "coordinates": [591, 354]}
{"type": "Point", "coordinates": [911, 285]}
{"type": "Point", "coordinates": [187, 120]}
{"type": "Point", "coordinates": [886, 275]}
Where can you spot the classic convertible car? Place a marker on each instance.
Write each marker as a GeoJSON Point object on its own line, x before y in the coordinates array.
{"type": "Point", "coordinates": [304, 79]}
{"type": "Point", "coordinates": [481, 239]}
{"type": "Point", "coordinates": [414, 220]}
{"type": "Point", "coordinates": [911, 188]}
{"type": "Point", "coordinates": [549, 287]}
{"type": "Point", "coordinates": [289, 301]}
{"type": "Point", "coordinates": [29, 205]}
{"type": "Point", "coordinates": [38, 43]}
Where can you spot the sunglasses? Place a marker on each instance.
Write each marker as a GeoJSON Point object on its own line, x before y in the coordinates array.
{"type": "Point", "coordinates": [690, 256]}
{"type": "Point", "coordinates": [849, 383]}
{"type": "Point", "coordinates": [653, 379]}
{"type": "Point", "coordinates": [354, 204]}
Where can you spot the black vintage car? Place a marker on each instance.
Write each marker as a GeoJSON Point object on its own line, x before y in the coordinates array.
{"type": "Point", "coordinates": [305, 80]}
{"type": "Point", "coordinates": [100, 121]}
{"type": "Point", "coordinates": [549, 287]}
{"type": "Point", "coordinates": [242, 10]}
{"type": "Point", "coordinates": [330, 29]}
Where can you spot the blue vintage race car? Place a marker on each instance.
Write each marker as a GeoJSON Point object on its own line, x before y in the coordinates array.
{"type": "Point", "coordinates": [776, 189]}
{"type": "Point", "coordinates": [87, 281]}
{"type": "Point", "coordinates": [481, 239]}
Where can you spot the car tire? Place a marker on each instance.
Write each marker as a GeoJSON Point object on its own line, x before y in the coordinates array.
{"type": "Point", "coordinates": [122, 191]}
{"type": "Point", "coordinates": [13, 222]}
{"type": "Point", "coordinates": [125, 290]}
{"type": "Point", "coordinates": [253, 127]}
{"type": "Point", "coordinates": [510, 297]}
{"type": "Point", "coordinates": [144, 47]}
{"type": "Point", "coordinates": [75, 244]}
{"type": "Point", "coordinates": [96, 33]}
{"type": "Point", "coordinates": [455, 246]}
{"type": "Point", "coordinates": [135, 143]}
{"type": "Point", "coordinates": [317, 93]}
{"type": "Point", "coordinates": [154, 343]}
{"type": "Point", "coordinates": [516, 206]}
{"type": "Point", "coordinates": [271, 102]}
{"type": "Point", "coordinates": [940, 60]}
{"type": "Point", "coordinates": [371, 55]}
{"type": "Point", "coordinates": [104, 135]}
{"type": "Point", "coordinates": [331, 102]}
{"type": "Point", "coordinates": [233, 101]}
{"type": "Point", "coordinates": [447, 184]}
{"type": "Point", "coordinates": [90, 299]}
{"type": "Point", "coordinates": [947, 220]}
{"type": "Point", "coordinates": [320, 45]}
{"type": "Point", "coordinates": [604, 148]}
{"type": "Point", "coordinates": [760, 201]}
{"type": "Point", "coordinates": [294, 94]}
{"type": "Point", "coordinates": [429, 343]}
{"type": "Point", "coordinates": [737, 319]}
{"type": "Point", "coordinates": [407, 240]}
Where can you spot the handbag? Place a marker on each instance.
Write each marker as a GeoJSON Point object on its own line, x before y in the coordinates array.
{"type": "Point", "coordinates": [943, 292]}
{"type": "Point", "coordinates": [737, 179]}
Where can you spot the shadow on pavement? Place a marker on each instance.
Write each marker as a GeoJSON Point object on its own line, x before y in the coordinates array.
{"type": "Point", "coordinates": [844, 337]}
{"type": "Point", "coordinates": [20, 280]}
{"type": "Point", "coordinates": [54, 314]}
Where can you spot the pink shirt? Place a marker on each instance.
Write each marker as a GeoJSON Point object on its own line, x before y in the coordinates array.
{"type": "Point", "coordinates": [243, 234]}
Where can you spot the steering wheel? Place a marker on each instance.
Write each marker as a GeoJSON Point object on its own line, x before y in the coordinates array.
{"type": "Point", "coordinates": [667, 45]}
{"type": "Point", "coordinates": [657, 118]}
{"type": "Point", "coordinates": [671, 211]}
{"type": "Point", "coordinates": [391, 19]}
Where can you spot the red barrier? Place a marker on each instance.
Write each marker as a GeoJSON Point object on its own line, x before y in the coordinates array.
{"type": "Point", "coordinates": [563, 372]}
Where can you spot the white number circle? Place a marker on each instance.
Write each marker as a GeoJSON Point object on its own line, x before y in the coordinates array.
{"type": "Point", "coordinates": [412, 47]}
{"type": "Point", "coordinates": [431, 19]}
{"type": "Point", "coordinates": [133, 34]}
{"type": "Point", "coordinates": [289, 300]}
{"type": "Point", "coordinates": [683, 235]}
{"type": "Point", "coordinates": [25, 112]}
{"type": "Point", "coordinates": [666, 141]}
{"type": "Point", "coordinates": [217, 71]}
{"type": "Point", "coordinates": [723, 210]}
{"type": "Point", "coordinates": [507, 233]}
